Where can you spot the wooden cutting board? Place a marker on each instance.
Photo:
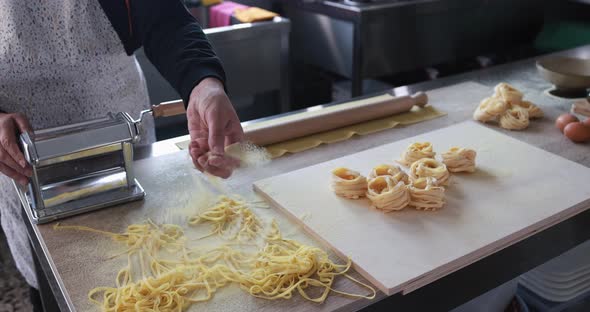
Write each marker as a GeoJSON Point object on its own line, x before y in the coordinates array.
{"type": "Point", "coordinates": [517, 190]}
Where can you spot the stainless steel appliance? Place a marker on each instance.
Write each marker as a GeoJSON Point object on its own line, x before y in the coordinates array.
{"type": "Point", "coordinates": [84, 166]}
{"type": "Point", "coordinates": [359, 39]}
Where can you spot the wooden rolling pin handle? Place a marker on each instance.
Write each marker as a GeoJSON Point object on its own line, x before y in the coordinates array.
{"type": "Point", "coordinates": [420, 99]}
{"type": "Point", "coordinates": [167, 109]}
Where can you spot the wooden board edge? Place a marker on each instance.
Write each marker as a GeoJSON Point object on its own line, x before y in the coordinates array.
{"type": "Point", "coordinates": [502, 244]}
{"type": "Point", "coordinates": [316, 236]}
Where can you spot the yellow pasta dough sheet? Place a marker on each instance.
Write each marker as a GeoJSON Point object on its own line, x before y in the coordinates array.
{"type": "Point", "coordinates": [305, 143]}
{"type": "Point", "coordinates": [416, 115]}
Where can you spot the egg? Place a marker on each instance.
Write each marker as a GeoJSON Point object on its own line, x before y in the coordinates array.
{"type": "Point", "coordinates": [564, 120]}
{"type": "Point", "coordinates": [577, 132]}
{"type": "Point", "coordinates": [587, 122]}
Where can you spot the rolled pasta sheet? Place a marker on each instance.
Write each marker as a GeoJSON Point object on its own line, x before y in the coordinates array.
{"type": "Point", "coordinates": [415, 152]}
{"type": "Point", "coordinates": [508, 93]}
{"type": "Point", "coordinates": [533, 110]}
{"type": "Point", "coordinates": [516, 118]}
{"type": "Point", "coordinates": [430, 168]}
{"type": "Point", "coordinates": [489, 109]}
{"type": "Point", "coordinates": [459, 159]}
{"type": "Point", "coordinates": [388, 170]}
{"type": "Point", "coordinates": [426, 195]}
{"type": "Point", "coordinates": [388, 195]}
{"type": "Point", "coordinates": [348, 183]}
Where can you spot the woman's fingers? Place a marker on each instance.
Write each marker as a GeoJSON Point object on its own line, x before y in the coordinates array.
{"type": "Point", "coordinates": [8, 158]}
{"type": "Point", "coordinates": [12, 160]}
{"type": "Point", "coordinates": [206, 163]}
{"type": "Point", "coordinates": [235, 133]}
{"type": "Point", "coordinates": [202, 161]}
{"type": "Point", "coordinates": [226, 162]}
{"type": "Point", "coordinates": [9, 147]}
{"type": "Point", "coordinates": [10, 154]}
{"type": "Point", "coordinates": [11, 173]}
{"type": "Point", "coordinates": [196, 151]}
{"type": "Point", "coordinates": [219, 172]}
{"type": "Point", "coordinates": [217, 136]}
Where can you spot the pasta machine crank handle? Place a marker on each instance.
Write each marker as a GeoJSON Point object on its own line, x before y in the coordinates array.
{"type": "Point", "coordinates": [165, 109]}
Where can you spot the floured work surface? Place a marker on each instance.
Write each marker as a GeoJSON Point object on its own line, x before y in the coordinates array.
{"type": "Point", "coordinates": [516, 191]}
{"type": "Point", "coordinates": [175, 191]}
{"type": "Point", "coordinates": [81, 260]}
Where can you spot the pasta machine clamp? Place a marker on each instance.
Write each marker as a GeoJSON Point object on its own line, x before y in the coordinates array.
{"type": "Point", "coordinates": [84, 166]}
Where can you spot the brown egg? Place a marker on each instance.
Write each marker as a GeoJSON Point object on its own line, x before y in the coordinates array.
{"type": "Point", "coordinates": [587, 122]}
{"type": "Point", "coordinates": [565, 119]}
{"type": "Point", "coordinates": [577, 132]}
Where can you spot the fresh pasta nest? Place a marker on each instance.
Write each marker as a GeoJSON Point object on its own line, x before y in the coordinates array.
{"type": "Point", "coordinates": [390, 188]}
{"type": "Point", "coordinates": [507, 108]}
{"type": "Point", "coordinates": [417, 151]}
{"type": "Point", "coordinates": [430, 168]}
{"type": "Point", "coordinates": [387, 194]}
{"type": "Point", "coordinates": [459, 159]}
{"type": "Point", "coordinates": [348, 183]}
{"type": "Point", "coordinates": [388, 170]}
{"type": "Point", "coordinates": [533, 110]}
{"type": "Point", "coordinates": [426, 195]}
{"type": "Point", "coordinates": [516, 118]}
{"type": "Point", "coordinates": [489, 109]}
{"type": "Point", "coordinates": [508, 93]}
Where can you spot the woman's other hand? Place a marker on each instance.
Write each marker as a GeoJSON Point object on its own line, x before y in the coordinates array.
{"type": "Point", "coordinates": [212, 124]}
{"type": "Point", "coordinates": [12, 160]}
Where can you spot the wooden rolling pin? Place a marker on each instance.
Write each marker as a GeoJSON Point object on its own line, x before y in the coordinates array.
{"type": "Point", "coordinates": [333, 117]}
{"type": "Point", "coordinates": [310, 122]}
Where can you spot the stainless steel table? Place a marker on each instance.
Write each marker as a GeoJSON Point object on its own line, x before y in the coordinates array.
{"type": "Point", "coordinates": [479, 277]}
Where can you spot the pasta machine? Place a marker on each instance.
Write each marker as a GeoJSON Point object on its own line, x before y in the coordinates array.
{"type": "Point", "coordinates": [84, 166]}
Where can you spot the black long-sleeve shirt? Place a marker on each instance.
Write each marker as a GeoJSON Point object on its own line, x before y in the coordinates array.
{"type": "Point", "coordinates": [171, 37]}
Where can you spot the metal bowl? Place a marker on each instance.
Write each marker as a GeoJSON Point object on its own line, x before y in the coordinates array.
{"type": "Point", "coordinates": [566, 73]}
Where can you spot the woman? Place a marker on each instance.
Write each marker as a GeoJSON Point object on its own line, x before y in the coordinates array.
{"type": "Point", "coordinates": [66, 61]}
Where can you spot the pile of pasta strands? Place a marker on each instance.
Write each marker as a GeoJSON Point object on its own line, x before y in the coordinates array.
{"type": "Point", "coordinates": [274, 268]}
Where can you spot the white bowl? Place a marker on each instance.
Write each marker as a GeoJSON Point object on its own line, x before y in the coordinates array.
{"type": "Point", "coordinates": [566, 73]}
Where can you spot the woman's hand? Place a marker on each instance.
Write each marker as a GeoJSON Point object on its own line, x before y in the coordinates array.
{"type": "Point", "coordinates": [12, 161]}
{"type": "Point", "coordinates": [212, 125]}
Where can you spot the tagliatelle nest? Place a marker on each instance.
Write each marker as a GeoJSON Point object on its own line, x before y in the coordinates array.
{"type": "Point", "coordinates": [508, 108]}
{"type": "Point", "coordinates": [459, 159]}
{"type": "Point", "coordinates": [489, 109]}
{"type": "Point", "coordinates": [348, 183]}
{"type": "Point", "coordinates": [508, 93]}
{"type": "Point", "coordinates": [388, 170]}
{"type": "Point", "coordinates": [417, 151]}
{"type": "Point", "coordinates": [516, 118]}
{"type": "Point", "coordinates": [387, 195]}
{"type": "Point", "coordinates": [430, 168]}
{"type": "Point", "coordinates": [533, 110]}
{"type": "Point", "coordinates": [426, 195]}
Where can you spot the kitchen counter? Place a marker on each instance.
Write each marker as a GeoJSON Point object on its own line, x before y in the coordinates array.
{"type": "Point", "coordinates": [460, 286]}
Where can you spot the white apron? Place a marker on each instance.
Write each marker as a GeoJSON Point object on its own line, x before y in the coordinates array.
{"type": "Point", "coordinates": [61, 62]}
